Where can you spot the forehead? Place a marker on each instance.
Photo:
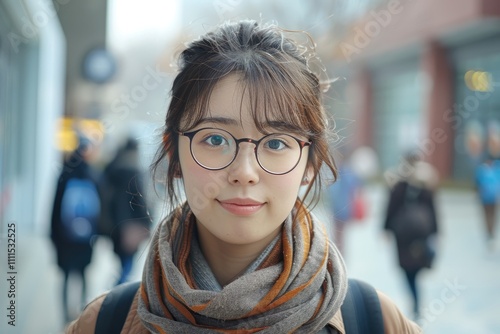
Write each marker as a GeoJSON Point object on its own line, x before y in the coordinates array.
{"type": "Point", "coordinates": [236, 101]}
{"type": "Point", "coordinates": [230, 100]}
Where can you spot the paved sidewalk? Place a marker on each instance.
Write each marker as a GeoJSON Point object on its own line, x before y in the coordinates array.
{"type": "Point", "coordinates": [39, 285]}
{"type": "Point", "coordinates": [460, 295]}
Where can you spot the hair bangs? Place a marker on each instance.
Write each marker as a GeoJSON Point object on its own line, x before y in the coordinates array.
{"type": "Point", "coordinates": [276, 102]}
{"type": "Point", "coordinates": [198, 92]}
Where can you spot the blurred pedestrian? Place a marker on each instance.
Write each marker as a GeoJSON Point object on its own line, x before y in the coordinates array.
{"type": "Point", "coordinates": [487, 181]}
{"type": "Point", "coordinates": [75, 218]}
{"type": "Point", "coordinates": [345, 202]}
{"type": "Point", "coordinates": [125, 210]}
{"type": "Point", "coordinates": [411, 218]}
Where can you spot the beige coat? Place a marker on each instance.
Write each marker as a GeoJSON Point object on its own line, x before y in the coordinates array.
{"type": "Point", "coordinates": [394, 320]}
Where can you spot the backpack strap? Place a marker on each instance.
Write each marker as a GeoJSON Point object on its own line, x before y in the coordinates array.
{"type": "Point", "coordinates": [361, 311]}
{"type": "Point", "coordinates": [115, 308]}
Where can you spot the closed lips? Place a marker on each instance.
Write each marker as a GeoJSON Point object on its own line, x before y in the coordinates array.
{"type": "Point", "coordinates": [241, 206]}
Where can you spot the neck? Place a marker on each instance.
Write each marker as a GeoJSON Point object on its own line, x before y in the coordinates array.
{"type": "Point", "coordinates": [229, 261]}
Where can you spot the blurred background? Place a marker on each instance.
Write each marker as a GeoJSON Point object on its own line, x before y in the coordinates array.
{"type": "Point", "coordinates": [421, 75]}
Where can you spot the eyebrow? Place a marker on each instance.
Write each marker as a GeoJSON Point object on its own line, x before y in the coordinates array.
{"type": "Point", "coordinates": [276, 125]}
{"type": "Point", "coordinates": [219, 120]}
{"type": "Point", "coordinates": [284, 126]}
{"type": "Point", "coordinates": [231, 121]}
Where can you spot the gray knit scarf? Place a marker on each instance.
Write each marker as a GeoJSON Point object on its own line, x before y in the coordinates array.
{"type": "Point", "coordinates": [297, 288]}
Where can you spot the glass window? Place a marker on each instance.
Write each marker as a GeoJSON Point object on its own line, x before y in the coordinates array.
{"type": "Point", "coordinates": [397, 113]}
{"type": "Point", "coordinates": [476, 112]}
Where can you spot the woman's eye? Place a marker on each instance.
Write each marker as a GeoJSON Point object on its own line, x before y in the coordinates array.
{"type": "Point", "coordinates": [276, 144]}
{"type": "Point", "coordinates": [215, 140]}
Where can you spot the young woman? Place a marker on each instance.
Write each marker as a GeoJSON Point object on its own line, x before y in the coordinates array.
{"type": "Point", "coordinates": [245, 130]}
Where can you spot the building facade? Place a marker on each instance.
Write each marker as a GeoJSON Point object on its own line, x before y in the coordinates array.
{"type": "Point", "coordinates": [32, 55]}
{"type": "Point", "coordinates": [427, 77]}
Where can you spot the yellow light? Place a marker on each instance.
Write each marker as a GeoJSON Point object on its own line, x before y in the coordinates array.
{"type": "Point", "coordinates": [468, 79]}
{"type": "Point", "coordinates": [478, 81]}
{"type": "Point", "coordinates": [67, 138]}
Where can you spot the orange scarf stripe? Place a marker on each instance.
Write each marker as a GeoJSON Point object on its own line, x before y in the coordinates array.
{"type": "Point", "coordinates": [176, 303]}
{"type": "Point", "coordinates": [144, 296]}
{"type": "Point", "coordinates": [324, 287]}
{"type": "Point", "coordinates": [157, 286]}
{"type": "Point", "coordinates": [200, 307]}
{"type": "Point", "coordinates": [275, 257]}
{"type": "Point", "coordinates": [159, 329]}
{"type": "Point", "coordinates": [291, 294]}
{"type": "Point", "coordinates": [307, 241]}
{"type": "Point", "coordinates": [183, 266]}
{"type": "Point", "coordinates": [266, 302]}
{"type": "Point", "coordinates": [280, 283]}
{"type": "Point", "coordinates": [304, 221]}
{"type": "Point", "coordinates": [318, 307]}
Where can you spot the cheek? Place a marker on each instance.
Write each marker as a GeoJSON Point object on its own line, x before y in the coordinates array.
{"type": "Point", "coordinates": [200, 184]}
{"type": "Point", "coordinates": [287, 186]}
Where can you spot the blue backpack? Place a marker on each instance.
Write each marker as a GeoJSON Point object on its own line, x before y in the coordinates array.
{"type": "Point", "coordinates": [80, 210]}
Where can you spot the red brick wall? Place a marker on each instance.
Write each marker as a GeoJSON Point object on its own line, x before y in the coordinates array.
{"type": "Point", "coordinates": [403, 23]}
{"type": "Point", "coordinates": [440, 136]}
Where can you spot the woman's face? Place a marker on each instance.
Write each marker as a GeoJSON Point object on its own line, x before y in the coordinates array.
{"type": "Point", "coordinates": [241, 204]}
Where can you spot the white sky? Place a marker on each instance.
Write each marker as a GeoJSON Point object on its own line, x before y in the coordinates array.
{"type": "Point", "coordinates": [132, 20]}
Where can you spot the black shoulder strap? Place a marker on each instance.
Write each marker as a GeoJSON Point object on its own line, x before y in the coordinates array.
{"type": "Point", "coordinates": [115, 308]}
{"type": "Point", "coordinates": [361, 311]}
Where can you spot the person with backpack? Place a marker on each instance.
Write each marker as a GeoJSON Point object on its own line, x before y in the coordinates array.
{"type": "Point", "coordinates": [125, 206]}
{"type": "Point", "coordinates": [241, 252]}
{"type": "Point", "coordinates": [75, 219]}
{"type": "Point", "coordinates": [411, 218]}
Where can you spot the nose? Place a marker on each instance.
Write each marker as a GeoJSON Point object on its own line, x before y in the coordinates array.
{"type": "Point", "coordinates": [245, 168]}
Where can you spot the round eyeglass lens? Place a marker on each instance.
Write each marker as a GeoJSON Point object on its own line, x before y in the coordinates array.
{"type": "Point", "coordinates": [278, 153]}
{"type": "Point", "coordinates": [213, 148]}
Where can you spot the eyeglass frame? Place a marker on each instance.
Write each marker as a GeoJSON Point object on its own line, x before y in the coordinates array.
{"type": "Point", "coordinates": [191, 134]}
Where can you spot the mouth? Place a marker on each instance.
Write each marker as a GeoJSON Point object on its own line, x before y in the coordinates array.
{"type": "Point", "coordinates": [241, 206]}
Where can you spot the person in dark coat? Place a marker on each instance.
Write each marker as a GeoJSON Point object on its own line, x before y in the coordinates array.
{"type": "Point", "coordinates": [74, 247]}
{"type": "Point", "coordinates": [125, 207]}
{"type": "Point", "coordinates": [411, 218]}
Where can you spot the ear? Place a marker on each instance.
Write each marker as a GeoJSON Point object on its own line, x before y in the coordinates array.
{"type": "Point", "coordinates": [308, 174]}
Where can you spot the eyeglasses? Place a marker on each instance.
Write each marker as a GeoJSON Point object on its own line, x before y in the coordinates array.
{"type": "Point", "coordinates": [215, 149]}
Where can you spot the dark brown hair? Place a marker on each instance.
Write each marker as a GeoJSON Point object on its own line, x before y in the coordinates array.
{"type": "Point", "coordinates": [276, 74]}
